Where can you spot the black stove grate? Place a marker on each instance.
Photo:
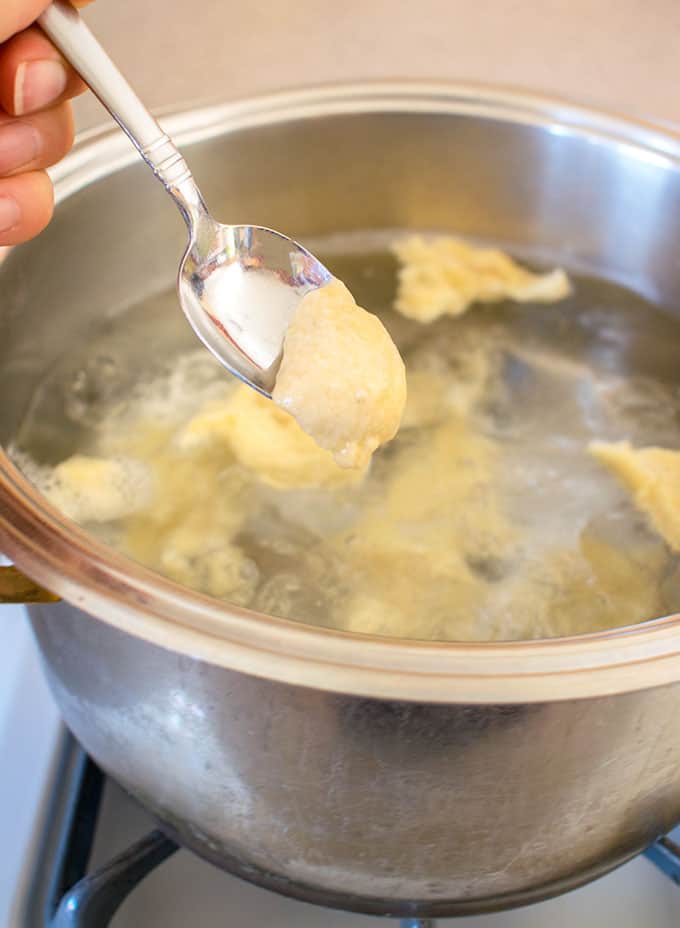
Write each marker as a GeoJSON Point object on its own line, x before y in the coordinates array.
{"type": "Point", "coordinates": [76, 899]}
{"type": "Point", "coordinates": [95, 899]}
{"type": "Point", "coordinates": [75, 841]}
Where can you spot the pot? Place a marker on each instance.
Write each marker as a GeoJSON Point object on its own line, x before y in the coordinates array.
{"type": "Point", "coordinates": [384, 776]}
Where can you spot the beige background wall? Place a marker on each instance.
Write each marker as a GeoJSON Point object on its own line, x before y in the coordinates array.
{"type": "Point", "coordinates": [622, 54]}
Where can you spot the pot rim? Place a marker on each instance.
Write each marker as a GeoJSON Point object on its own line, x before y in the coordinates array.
{"type": "Point", "coordinates": [57, 553]}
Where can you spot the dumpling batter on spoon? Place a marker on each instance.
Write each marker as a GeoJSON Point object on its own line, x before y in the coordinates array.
{"type": "Point", "coordinates": [341, 376]}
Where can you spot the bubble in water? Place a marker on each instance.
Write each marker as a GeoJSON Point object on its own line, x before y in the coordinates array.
{"type": "Point", "coordinates": [98, 382]}
{"type": "Point", "coordinates": [280, 595]}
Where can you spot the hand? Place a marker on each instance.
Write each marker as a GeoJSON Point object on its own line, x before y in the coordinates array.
{"type": "Point", "coordinates": [36, 123]}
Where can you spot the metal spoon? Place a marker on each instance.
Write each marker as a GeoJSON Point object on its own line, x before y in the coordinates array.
{"type": "Point", "coordinates": [238, 285]}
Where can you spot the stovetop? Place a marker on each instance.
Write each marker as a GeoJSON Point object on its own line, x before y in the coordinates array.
{"type": "Point", "coordinates": [41, 768]}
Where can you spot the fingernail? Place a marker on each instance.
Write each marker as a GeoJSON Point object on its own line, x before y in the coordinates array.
{"type": "Point", "coordinates": [19, 145]}
{"type": "Point", "coordinates": [10, 213]}
{"type": "Point", "coordinates": [37, 84]}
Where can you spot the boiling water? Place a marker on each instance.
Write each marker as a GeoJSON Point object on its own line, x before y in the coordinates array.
{"type": "Point", "coordinates": [485, 519]}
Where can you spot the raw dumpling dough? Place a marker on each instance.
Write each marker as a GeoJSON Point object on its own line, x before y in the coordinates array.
{"type": "Point", "coordinates": [189, 529]}
{"type": "Point", "coordinates": [571, 590]}
{"type": "Point", "coordinates": [653, 477]}
{"type": "Point", "coordinates": [418, 549]}
{"type": "Point", "coordinates": [446, 276]}
{"type": "Point", "coordinates": [267, 441]}
{"type": "Point", "coordinates": [93, 489]}
{"type": "Point", "coordinates": [341, 376]}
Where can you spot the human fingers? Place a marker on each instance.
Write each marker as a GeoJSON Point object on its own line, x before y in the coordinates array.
{"type": "Point", "coordinates": [33, 75]}
{"type": "Point", "coordinates": [26, 205]}
{"type": "Point", "coordinates": [16, 15]}
{"type": "Point", "coordinates": [35, 142]}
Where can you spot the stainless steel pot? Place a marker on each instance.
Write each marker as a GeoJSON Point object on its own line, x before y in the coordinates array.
{"type": "Point", "coordinates": [384, 776]}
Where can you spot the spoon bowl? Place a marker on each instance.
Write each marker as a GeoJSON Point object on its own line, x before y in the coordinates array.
{"type": "Point", "coordinates": [239, 287]}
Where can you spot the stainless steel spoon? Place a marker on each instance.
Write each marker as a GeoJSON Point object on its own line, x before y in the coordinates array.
{"type": "Point", "coordinates": [238, 285]}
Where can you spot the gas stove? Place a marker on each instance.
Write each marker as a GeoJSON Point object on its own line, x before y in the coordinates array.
{"type": "Point", "coordinates": [76, 851]}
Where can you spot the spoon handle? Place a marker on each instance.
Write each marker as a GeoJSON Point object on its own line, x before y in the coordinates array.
{"type": "Point", "coordinates": [69, 33]}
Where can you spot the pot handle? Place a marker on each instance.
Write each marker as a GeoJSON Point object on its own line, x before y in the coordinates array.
{"type": "Point", "coordinates": [17, 588]}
